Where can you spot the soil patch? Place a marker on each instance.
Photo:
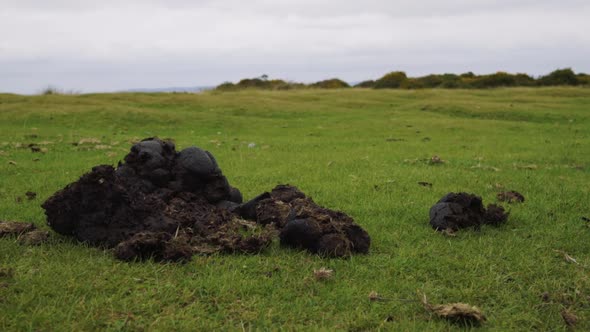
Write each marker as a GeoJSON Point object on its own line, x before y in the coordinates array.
{"type": "Point", "coordinates": [461, 210]}
{"type": "Point", "coordinates": [169, 205]}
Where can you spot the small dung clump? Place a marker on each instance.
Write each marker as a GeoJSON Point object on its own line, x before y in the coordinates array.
{"type": "Point", "coordinates": [34, 238]}
{"type": "Point", "coordinates": [569, 318]}
{"type": "Point", "coordinates": [169, 205]}
{"type": "Point", "coordinates": [159, 246]}
{"type": "Point", "coordinates": [304, 224]}
{"type": "Point", "coordinates": [462, 210]}
{"type": "Point", "coordinates": [26, 232]}
{"type": "Point", "coordinates": [8, 228]}
{"type": "Point", "coordinates": [456, 312]}
{"type": "Point", "coordinates": [510, 197]}
{"type": "Point", "coordinates": [323, 274]}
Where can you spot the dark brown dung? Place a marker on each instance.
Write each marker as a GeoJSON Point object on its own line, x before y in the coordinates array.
{"type": "Point", "coordinates": [169, 205]}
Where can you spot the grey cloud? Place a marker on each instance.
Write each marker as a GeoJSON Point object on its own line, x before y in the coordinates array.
{"type": "Point", "coordinates": [113, 45]}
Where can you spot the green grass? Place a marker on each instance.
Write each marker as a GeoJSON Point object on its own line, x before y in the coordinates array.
{"type": "Point", "coordinates": [334, 146]}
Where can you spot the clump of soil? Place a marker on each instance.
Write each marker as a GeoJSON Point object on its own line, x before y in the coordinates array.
{"type": "Point", "coordinates": [462, 210]}
{"type": "Point", "coordinates": [510, 197]}
{"type": "Point", "coordinates": [169, 205]}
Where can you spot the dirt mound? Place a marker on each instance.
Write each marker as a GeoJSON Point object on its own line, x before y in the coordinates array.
{"type": "Point", "coordinates": [461, 210]}
{"type": "Point", "coordinates": [169, 205]}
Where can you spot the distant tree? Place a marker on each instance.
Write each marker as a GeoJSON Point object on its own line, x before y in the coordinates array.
{"type": "Point", "coordinates": [264, 77]}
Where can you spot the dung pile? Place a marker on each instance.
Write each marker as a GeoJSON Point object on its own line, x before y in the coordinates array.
{"type": "Point", "coordinates": [304, 224]}
{"type": "Point", "coordinates": [510, 197]}
{"type": "Point", "coordinates": [170, 205]}
{"type": "Point", "coordinates": [461, 210]}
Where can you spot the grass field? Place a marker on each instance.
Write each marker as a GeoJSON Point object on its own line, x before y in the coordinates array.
{"type": "Point", "coordinates": [358, 151]}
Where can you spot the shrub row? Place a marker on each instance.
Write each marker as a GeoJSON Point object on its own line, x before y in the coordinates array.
{"type": "Point", "coordinates": [399, 80]}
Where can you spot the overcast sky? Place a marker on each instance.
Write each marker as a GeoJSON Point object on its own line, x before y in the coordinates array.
{"type": "Point", "coordinates": [110, 45]}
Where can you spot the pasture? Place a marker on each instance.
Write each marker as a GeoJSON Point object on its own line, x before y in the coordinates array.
{"type": "Point", "coordinates": [356, 150]}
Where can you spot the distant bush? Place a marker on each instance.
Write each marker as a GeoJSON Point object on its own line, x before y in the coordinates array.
{"type": "Point", "coordinates": [333, 83]}
{"type": "Point", "coordinates": [226, 86]}
{"type": "Point", "coordinates": [259, 83]}
{"type": "Point", "coordinates": [524, 80]}
{"type": "Point", "coordinates": [51, 90]}
{"type": "Point", "coordinates": [468, 74]}
{"type": "Point", "coordinates": [412, 83]}
{"type": "Point", "coordinates": [498, 79]}
{"type": "Point", "coordinates": [282, 85]}
{"type": "Point", "coordinates": [469, 80]}
{"type": "Point", "coordinates": [430, 81]}
{"type": "Point", "coordinates": [391, 80]}
{"type": "Point", "coordinates": [434, 81]}
{"type": "Point", "coordinates": [559, 77]}
{"type": "Point", "coordinates": [365, 84]}
{"type": "Point", "coordinates": [450, 81]}
{"type": "Point", "coordinates": [399, 80]}
{"type": "Point", "coordinates": [253, 83]}
{"type": "Point", "coordinates": [583, 79]}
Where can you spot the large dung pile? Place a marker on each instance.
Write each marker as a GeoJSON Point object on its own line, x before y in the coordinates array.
{"type": "Point", "coordinates": [170, 205]}
{"type": "Point", "coordinates": [461, 210]}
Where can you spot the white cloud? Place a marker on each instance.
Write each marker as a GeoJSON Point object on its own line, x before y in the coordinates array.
{"type": "Point", "coordinates": [59, 42]}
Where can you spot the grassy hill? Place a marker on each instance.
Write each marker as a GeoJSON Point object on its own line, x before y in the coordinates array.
{"type": "Point", "coordinates": [356, 150]}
